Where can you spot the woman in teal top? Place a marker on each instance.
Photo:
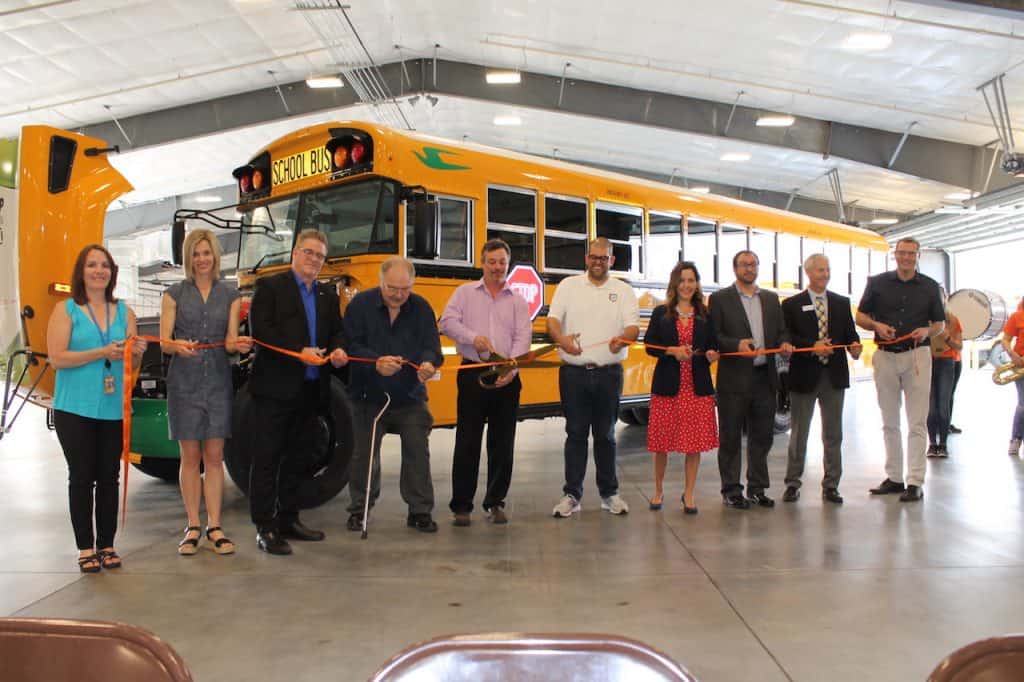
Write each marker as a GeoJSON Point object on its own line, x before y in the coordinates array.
{"type": "Point", "coordinates": [85, 344]}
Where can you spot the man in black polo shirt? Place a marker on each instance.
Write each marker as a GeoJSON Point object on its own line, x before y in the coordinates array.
{"type": "Point", "coordinates": [393, 325]}
{"type": "Point", "coordinates": [896, 303]}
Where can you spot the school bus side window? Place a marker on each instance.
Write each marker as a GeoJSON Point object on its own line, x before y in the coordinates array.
{"type": "Point", "coordinates": [623, 227]}
{"type": "Point", "coordinates": [512, 216]}
{"type": "Point", "coordinates": [454, 234]}
{"type": "Point", "coordinates": [565, 233]}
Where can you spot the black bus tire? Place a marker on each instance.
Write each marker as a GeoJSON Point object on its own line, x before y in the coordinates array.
{"type": "Point", "coordinates": [164, 468]}
{"type": "Point", "coordinates": [325, 455]}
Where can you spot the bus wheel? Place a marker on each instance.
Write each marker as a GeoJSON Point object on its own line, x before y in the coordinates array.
{"type": "Point", "coordinates": [324, 453]}
{"type": "Point", "coordinates": [635, 416]}
{"type": "Point", "coordinates": [159, 467]}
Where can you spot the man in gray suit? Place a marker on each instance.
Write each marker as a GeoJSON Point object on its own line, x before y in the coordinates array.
{"type": "Point", "coordinates": [746, 318]}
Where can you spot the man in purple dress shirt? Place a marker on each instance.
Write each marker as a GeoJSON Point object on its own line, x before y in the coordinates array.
{"type": "Point", "coordinates": [486, 317]}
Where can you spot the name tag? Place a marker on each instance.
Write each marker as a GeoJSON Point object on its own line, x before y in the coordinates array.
{"type": "Point", "coordinates": [809, 308]}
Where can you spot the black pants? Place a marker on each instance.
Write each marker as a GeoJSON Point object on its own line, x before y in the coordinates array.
{"type": "Point", "coordinates": [92, 448]}
{"type": "Point", "coordinates": [497, 408]}
{"type": "Point", "coordinates": [756, 410]}
{"type": "Point", "coordinates": [590, 400]}
{"type": "Point", "coordinates": [280, 431]}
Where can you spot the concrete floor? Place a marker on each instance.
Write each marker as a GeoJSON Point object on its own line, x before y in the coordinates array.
{"type": "Point", "coordinates": [873, 589]}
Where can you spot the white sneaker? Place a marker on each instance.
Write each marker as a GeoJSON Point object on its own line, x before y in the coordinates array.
{"type": "Point", "coordinates": [566, 507]}
{"type": "Point", "coordinates": [1014, 447]}
{"type": "Point", "coordinates": [614, 504]}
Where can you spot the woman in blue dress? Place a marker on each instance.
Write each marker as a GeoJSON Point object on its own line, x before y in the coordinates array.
{"type": "Point", "coordinates": [85, 340]}
{"type": "Point", "coordinates": [201, 310]}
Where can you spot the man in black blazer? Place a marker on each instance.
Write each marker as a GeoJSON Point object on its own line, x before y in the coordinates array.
{"type": "Point", "coordinates": [745, 318]}
{"type": "Point", "coordinates": [817, 317]}
{"type": "Point", "coordinates": [290, 310]}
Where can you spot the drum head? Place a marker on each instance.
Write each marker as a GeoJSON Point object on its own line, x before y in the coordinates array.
{"type": "Point", "coordinates": [982, 313]}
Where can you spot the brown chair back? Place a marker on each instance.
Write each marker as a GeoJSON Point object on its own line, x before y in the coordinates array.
{"type": "Point", "coordinates": [996, 659]}
{"type": "Point", "coordinates": [519, 657]}
{"type": "Point", "coordinates": [47, 649]}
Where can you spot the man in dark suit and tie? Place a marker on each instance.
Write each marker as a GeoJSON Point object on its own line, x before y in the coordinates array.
{"type": "Point", "coordinates": [817, 317]}
{"type": "Point", "coordinates": [290, 310]}
{"type": "Point", "coordinates": [746, 318]}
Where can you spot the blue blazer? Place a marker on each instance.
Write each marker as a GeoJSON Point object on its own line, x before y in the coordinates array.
{"type": "Point", "coordinates": [661, 331]}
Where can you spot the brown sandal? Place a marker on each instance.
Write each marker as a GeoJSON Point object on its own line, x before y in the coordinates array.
{"type": "Point", "coordinates": [90, 563]}
{"type": "Point", "coordinates": [109, 559]}
{"type": "Point", "coordinates": [221, 545]}
{"type": "Point", "coordinates": [189, 546]}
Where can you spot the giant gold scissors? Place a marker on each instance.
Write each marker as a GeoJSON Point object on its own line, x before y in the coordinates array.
{"type": "Point", "coordinates": [529, 359]}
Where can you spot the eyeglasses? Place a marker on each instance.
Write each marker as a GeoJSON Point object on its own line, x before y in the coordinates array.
{"type": "Point", "coordinates": [396, 290]}
{"type": "Point", "coordinates": [315, 255]}
{"type": "Point", "coordinates": [598, 259]}
{"type": "Point", "coordinates": [746, 264]}
{"type": "Point", "coordinates": [906, 253]}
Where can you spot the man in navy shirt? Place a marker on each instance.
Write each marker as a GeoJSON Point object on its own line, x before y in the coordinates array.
{"type": "Point", "coordinates": [397, 327]}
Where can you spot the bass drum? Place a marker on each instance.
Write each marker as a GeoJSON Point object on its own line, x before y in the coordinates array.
{"type": "Point", "coordinates": [982, 313]}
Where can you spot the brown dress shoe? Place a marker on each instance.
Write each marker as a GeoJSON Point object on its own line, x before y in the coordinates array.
{"type": "Point", "coordinates": [497, 515]}
{"type": "Point", "coordinates": [462, 519]}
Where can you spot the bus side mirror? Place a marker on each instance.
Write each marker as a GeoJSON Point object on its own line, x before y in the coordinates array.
{"type": "Point", "coordinates": [177, 240]}
{"type": "Point", "coordinates": [425, 229]}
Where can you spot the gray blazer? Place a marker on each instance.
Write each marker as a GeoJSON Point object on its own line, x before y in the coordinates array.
{"type": "Point", "coordinates": [730, 324]}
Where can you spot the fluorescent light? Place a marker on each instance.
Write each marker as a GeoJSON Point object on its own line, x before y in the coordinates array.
{"type": "Point", "coordinates": [960, 196]}
{"type": "Point", "coordinates": [206, 198]}
{"type": "Point", "coordinates": [734, 156]}
{"type": "Point", "coordinates": [324, 82]}
{"type": "Point", "coordinates": [700, 190]}
{"type": "Point", "coordinates": [509, 120]}
{"type": "Point", "coordinates": [7, 167]}
{"type": "Point", "coordinates": [867, 41]}
{"type": "Point", "coordinates": [775, 121]}
{"type": "Point", "coordinates": [503, 77]}
{"type": "Point", "coordinates": [884, 221]}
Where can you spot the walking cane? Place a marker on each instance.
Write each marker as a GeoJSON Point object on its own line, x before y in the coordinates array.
{"type": "Point", "coordinates": [369, 470]}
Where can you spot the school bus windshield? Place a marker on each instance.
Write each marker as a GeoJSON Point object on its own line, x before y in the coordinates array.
{"type": "Point", "coordinates": [357, 219]}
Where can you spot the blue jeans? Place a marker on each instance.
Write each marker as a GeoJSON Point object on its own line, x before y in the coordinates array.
{"type": "Point", "coordinates": [941, 401]}
{"type": "Point", "coordinates": [590, 400]}
{"type": "Point", "coordinates": [1018, 414]}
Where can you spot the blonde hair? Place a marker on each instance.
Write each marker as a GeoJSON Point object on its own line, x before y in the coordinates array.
{"type": "Point", "coordinates": [191, 242]}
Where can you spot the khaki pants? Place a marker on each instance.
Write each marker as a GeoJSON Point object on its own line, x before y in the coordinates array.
{"type": "Point", "coordinates": [897, 375]}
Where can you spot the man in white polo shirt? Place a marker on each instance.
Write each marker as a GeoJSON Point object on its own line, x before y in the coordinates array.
{"type": "Point", "coordinates": [588, 318]}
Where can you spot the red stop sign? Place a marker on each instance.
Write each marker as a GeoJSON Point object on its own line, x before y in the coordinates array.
{"type": "Point", "coordinates": [525, 281]}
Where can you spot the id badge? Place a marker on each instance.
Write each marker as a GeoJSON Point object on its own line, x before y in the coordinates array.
{"type": "Point", "coordinates": [108, 384]}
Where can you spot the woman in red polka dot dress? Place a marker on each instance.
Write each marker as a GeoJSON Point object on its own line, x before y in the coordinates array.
{"type": "Point", "coordinates": [682, 395]}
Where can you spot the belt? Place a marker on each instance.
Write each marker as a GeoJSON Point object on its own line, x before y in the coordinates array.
{"type": "Point", "coordinates": [592, 366]}
{"type": "Point", "coordinates": [895, 349]}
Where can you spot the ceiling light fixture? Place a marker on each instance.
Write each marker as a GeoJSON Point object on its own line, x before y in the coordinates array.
{"type": "Point", "coordinates": [960, 196]}
{"type": "Point", "coordinates": [329, 81]}
{"type": "Point", "coordinates": [503, 77]}
{"type": "Point", "coordinates": [867, 41]}
{"type": "Point", "coordinates": [884, 221]}
{"type": "Point", "coordinates": [734, 156]}
{"type": "Point", "coordinates": [508, 120]}
{"type": "Point", "coordinates": [701, 189]}
{"type": "Point", "coordinates": [775, 121]}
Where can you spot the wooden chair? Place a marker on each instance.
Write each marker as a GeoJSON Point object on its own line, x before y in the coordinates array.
{"type": "Point", "coordinates": [519, 657]}
{"type": "Point", "coordinates": [996, 659]}
{"type": "Point", "coordinates": [47, 649]}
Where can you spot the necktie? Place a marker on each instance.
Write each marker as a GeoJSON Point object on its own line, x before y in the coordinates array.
{"type": "Point", "coordinates": [822, 313]}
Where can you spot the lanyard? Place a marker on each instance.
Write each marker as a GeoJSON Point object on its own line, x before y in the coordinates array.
{"type": "Point", "coordinates": [104, 335]}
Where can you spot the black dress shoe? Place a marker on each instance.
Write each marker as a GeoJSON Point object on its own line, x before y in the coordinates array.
{"type": "Point", "coordinates": [831, 495]}
{"type": "Point", "coordinates": [421, 522]}
{"type": "Point", "coordinates": [932, 450]}
{"type": "Point", "coordinates": [792, 494]}
{"type": "Point", "coordinates": [271, 542]}
{"type": "Point", "coordinates": [955, 429]}
{"type": "Point", "coordinates": [735, 501]}
{"type": "Point", "coordinates": [355, 522]}
{"type": "Point", "coordinates": [913, 493]}
{"type": "Point", "coordinates": [761, 500]}
{"type": "Point", "coordinates": [296, 530]}
{"type": "Point", "coordinates": [887, 487]}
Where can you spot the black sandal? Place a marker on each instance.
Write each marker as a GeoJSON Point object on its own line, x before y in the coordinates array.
{"type": "Point", "coordinates": [189, 546]}
{"type": "Point", "coordinates": [109, 559]}
{"type": "Point", "coordinates": [84, 561]}
{"type": "Point", "coordinates": [221, 545]}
